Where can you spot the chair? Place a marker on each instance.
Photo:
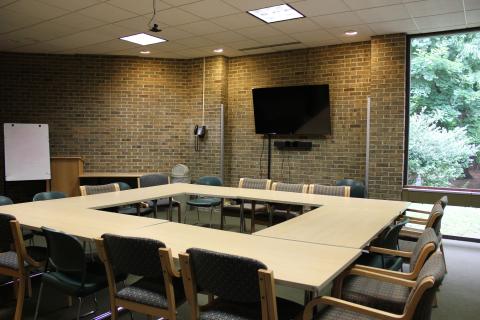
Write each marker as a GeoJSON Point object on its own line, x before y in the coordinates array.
{"type": "Point", "coordinates": [158, 179]}
{"type": "Point", "coordinates": [96, 189]}
{"type": "Point", "coordinates": [49, 195]}
{"type": "Point", "coordinates": [387, 296]}
{"type": "Point", "coordinates": [15, 261]}
{"type": "Point", "coordinates": [139, 209]}
{"type": "Point", "coordinates": [72, 272]}
{"type": "Point", "coordinates": [418, 299]}
{"type": "Point", "coordinates": [357, 188]}
{"type": "Point", "coordinates": [243, 288]}
{"type": "Point", "coordinates": [280, 212]}
{"type": "Point", "coordinates": [205, 202]}
{"type": "Point", "coordinates": [233, 210]}
{"type": "Point", "coordinates": [5, 201]}
{"type": "Point", "coordinates": [340, 191]}
{"type": "Point", "coordinates": [159, 290]}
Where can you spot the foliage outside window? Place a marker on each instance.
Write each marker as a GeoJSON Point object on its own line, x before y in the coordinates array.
{"type": "Point", "coordinates": [444, 133]}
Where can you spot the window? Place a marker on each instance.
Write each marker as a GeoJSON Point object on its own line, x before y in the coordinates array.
{"type": "Point", "coordinates": [444, 111]}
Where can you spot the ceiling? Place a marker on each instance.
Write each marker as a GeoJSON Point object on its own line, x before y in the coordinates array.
{"type": "Point", "coordinates": [194, 28]}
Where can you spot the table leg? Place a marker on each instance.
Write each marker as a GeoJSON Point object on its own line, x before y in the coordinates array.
{"type": "Point", "coordinates": [170, 211]}
{"type": "Point", "coordinates": [242, 216]}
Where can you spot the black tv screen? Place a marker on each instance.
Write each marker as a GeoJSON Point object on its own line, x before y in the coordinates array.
{"type": "Point", "coordinates": [295, 110]}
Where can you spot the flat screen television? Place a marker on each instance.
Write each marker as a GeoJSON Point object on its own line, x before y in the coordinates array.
{"type": "Point", "coordinates": [294, 110]}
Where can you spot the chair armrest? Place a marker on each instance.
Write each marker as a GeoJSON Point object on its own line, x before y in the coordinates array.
{"type": "Point", "coordinates": [417, 220]}
{"type": "Point", "coordinates": [386, 272]}
{"type": "Point", "coordinates": [339, 303]}
{"type": "Point", "coordinates": [167, 262]}
{"type": "Point", "coordinates": [391, 252]}
{"type": "Point", "coordinates": [417, 211]}
{"type": "Point", "coordinates": [382, 277]}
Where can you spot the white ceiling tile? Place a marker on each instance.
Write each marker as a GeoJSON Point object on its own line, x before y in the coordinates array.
{"type": "Point", "coordinates": [364, 32]}
{"type": "Point", "coordinates": [104, 47]}
{"type": "Point", "coordinates": [107, 13]}
{"type": "Point", "coordinates": [173, 33]}
{"type": "Point", "coordinates": [473, 16]}
{"type": "Point", "coordinates": [177, 3]}
{"type": "Point", "coordinates": [244, 44]}
{"type": "Point", "coordinates": [192, 53]}
{"type": "Point", "coordinates": [165, 54]}
{"type": "Point", "coordinates": [434, 7]}
{"type": "Point", "coordinates": [196, 42]}
{"type": "Point", "coordinates": [175, 17]}
{"type": "Point", "coordinates": [43, 32]}
{"type": "Point", "coordinates": [238, 21]}
{"type": "Point", "coordinates": [70, 5]}
{"type": "Point", "coordinates": [311, 8]}
{"type": "Point", "coordinates": [228, 52]}
{"type": "Point", "coordinates": [276, 40]}
{"type": "Point", "coordinates": [36, 9]}
{"type": "Point", "coordinates": [11, 20]}
{"type": "Point", "coordinates": [313, 36]}
{"type": "Point", "coordinates": [78, 22]}
{"type": "Point", "coordinates": [210, 9]}
{"type": "Point", "coordinates": [139, 6]}
{"type": "Point", "coordinates": [115, 31]}
{"type": "Point", "coordinates": [439, 21]}
{"type": "Point", "coordinates": [225, 37]}
{"type": "Point", "coordinates": [366, 4]}
{"type": "Point", "coordinates": [246, 5]}
{"type": "Point", "coordinates": [165, 46]}
{"type": "Point", "coordinates": [80, 39]}
{"type": "Point", "coordinates": [259, 31]}
{"type": "Point", "coordinates": [201, 27]}
{"type": "Point", "coordinates": [294, 26]}
{"type": "Point", "coordinates": [472, 4]}
{"type": "Point", "coordinates": [313, 44]}
{"type": "Point", "coordinates": [380, 14]}
{"type": "Point", "coordinates": [337, 20]}
{"type": "Point", "coordinates": [140, 24]}
{"type": "Point", "coordinates": [43, 47]}
{"type": "Point", "coordinates": [397, 26]}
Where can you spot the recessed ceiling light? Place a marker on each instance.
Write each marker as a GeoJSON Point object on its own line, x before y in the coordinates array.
{"type": "Point", "coordinates": [144, 52]}
{"type": "Point", "coordinates": [351, 33]}
{"type": "Point", "coordinates": [219, 50]}
{"type": "Point", "coordinates": [277, 13]}
{"type": "Point", "coordinates": [143, 39]}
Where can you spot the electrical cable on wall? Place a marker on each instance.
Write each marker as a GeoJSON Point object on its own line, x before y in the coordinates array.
{"type": "Point", "coordinates": [203, 94]}
{"type": "Point", "coordinates": [261, 158]}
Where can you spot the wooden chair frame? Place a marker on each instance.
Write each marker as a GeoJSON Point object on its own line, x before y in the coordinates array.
{"type": "Point", "coordinates": [169, 272]}
{"type": "Point", "coordinates": [22, 274]}
{"type": "Point", "coordinates": [336, 300]}
{"type": "Point", "coordinates": [83, 189]}
{"type": "Point", "coordinates": [311, 188]}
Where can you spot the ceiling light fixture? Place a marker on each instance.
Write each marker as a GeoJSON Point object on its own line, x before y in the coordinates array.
{"type": "Point", "coordinates": [145, 52]}
{"type": "Point", "coordinates": [276, 13]}
{"type": "Point", "coordinates": [143, 39]}
{"type": "Point", "coordinates": [351, 33]}
{"type": "Point", "coordinates": [219, 50]}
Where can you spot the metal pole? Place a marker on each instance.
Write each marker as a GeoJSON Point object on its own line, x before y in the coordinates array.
{"type": "Point", "coordinates": [269, 170]}
{"type": "Point", "coordinates": [222, 150]}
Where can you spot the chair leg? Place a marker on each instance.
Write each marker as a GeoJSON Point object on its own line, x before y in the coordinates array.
{"type": "Point", "coordinates": [443, 254]}
{"type": "Point", "coordinates": [179, 218]}
{"type": "Point", "coordinates": [155, 209]}
{"type": "Point", "coordinates": [37, 307]}
{"type": "Point", "coordinates": [198, 216]}
{"type": "Point", "coordinates": [29, 287]}
{"type": "Point", "coordinates": [222, 221]}
{"type": "Point", "coordinates": [79, 309]}
{"type": "Point", "coordinates": [211, 214]}
{"type": "Point", "coordinates": [20, 297]}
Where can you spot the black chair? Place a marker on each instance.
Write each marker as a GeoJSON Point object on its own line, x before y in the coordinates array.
{"type": "Point", "coordinates": [71, 270]}
{"type": "Point", "coordinates": [236, 283]}
{"type": "Point", "coordinates": [139, 209]}
{"type": "Point", "coordinates": [160, 288]}
{"type": "Point", "coordinates": [158, 179]}
{"type": "Point", "coordinates": [357, 188]}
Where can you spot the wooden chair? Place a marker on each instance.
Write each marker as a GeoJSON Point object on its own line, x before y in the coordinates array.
{"type": "Point", "coordinates": [243, 288]}
{"type": "Point", "coordinates": [159, 290]}
{"type": "Point", "coordinates": [417, 302]}
{"type": "Point", "coordinates": [249, 207]}
{"type": "Point", "coordinates": [96, 189]}
{"type": "Point", "coordinates": [340, 191]}
{"type": "Point", "coordinates": [280, 212]}
{"type": "Point", "coordinates": [14, 259]}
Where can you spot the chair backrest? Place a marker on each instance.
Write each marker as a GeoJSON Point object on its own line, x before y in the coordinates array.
{"type": "Point", "coordinates": [103, 188]}
{"type": "Point", "coordinates": [154, 179]}
{"type": "Point", "coordinates": [435, 218]}
{"type": "Point", "coordinates": [420, 252]}
{"type": "Point", "coordinates": [5, 201]}
{"type": "Point", "coordinates": [290, 187]}
{"type": "Point", "coordinates": [131, 255]}
{"type": "Point", "coordinates": [443, 202]}
{"type": "Point", "coordinates": [123, 185]}
{"type": "Point", "coordinates": [389, 238]}
{"type": "Point", "coordinates": [6, 236]}
{"type": "Point", "coordinates": [65, 252]}
{"type": "Point", "coordinates": [341, 191]}
{"type": "Point", "coordinates": [420, 301]}
{"type": "Point", "coordinates": [229, 277]}
{"type": "Point", "coordinates": [49, 195]}
{"type": "Point", "coordinates": [209, 181]}
{"type": "Point", "coordinates": [357, 188]}
{"type": "Point", "coordinates": [250, 183]}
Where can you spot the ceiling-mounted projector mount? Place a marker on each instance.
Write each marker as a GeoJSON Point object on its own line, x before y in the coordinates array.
{"type": "Point", "coordinates": [155, 28]}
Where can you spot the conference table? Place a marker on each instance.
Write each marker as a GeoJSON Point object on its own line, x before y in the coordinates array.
{"type": "Point", "coordinates": [306, 252]}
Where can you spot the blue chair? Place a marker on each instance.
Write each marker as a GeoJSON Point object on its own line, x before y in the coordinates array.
{"type": "Point", "coordinates": [205, 202]}
{"type": "Point", "coordinates": [49, 195]}
{"type": "Point", "coordinates": [4, 201]}
{"type": "Point", "coordinates": [357, 188]}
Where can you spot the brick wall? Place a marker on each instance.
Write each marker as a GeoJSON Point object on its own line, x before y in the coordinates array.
{"type": "Point", "coordinates": [138, 114]}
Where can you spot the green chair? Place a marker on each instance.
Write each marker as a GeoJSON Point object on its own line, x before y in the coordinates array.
{"type": "Point", "coordinates": [4, 201]}
{"type": "Point", "coordinates": [49, 195]}
{"type": "Point", "coordinates": [205, 202]}
{"type": "Point", "coordinates": [357, 188]}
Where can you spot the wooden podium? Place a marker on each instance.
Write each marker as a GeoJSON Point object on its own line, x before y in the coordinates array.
{"type": "Point", "coordinates": [65, 175]}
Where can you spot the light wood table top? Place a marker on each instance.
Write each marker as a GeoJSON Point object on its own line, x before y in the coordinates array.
{"type": "Point", "coordinates": [112, 174]}
{"type": "Point", "coordinates": [297, 264]}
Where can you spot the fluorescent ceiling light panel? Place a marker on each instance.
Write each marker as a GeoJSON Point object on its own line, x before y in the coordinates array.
{"type": "Point", "coordinates": [143, 39]}
{"type": "Point", "coordinates": [277, 13]}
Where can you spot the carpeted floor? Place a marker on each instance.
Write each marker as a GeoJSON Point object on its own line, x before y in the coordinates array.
{"type": "Point", "coordinates": [458, 297]}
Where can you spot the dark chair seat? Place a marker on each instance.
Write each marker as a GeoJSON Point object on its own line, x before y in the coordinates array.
{"type": "Point", "coordinates": [406, 245]}
{"type": "Point", "coordinates": [277, 217]}
{"type": "Point", "coordinates": [9, 260]}
{"type": "Point", "coordinates": [205, 202]}
{"type": "Point", "coordinates": [39, 254]}
{"type": "Point", "coordinates": [380, 261]}
{"type": "Point", "coordinates": [163, 203]}
{"type": "Point", "coordinates": [132, 210]}
{"type": "Point", "coordinates": [332, 313]}
{"type": "Point", "coordinates": [247, 207]}
{"type": "Point", "coordinates": [376, 294]}
{"type": "Point", "coordinates": [152, 292]}
{"type": "Point", "coordinates": [223, 310]}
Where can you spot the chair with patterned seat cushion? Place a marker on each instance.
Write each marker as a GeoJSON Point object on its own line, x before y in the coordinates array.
{"type": "Point", "coordinates": [249, 207]}
{"type": "Point", "coordinates": [238, 287]}
{"type": "Point", "coordinates": [15, 261]}
{"type": "Point", "coordinates": [206, 202]}
{"type": "Point", "coordinates": [384, 295]}
{"type": "Point", "coordinates": [97, 189]}
{"type": "Point", "coordinates": [280, 212]}
{"type": "Point", "coordinates": [340, 191]}
{"type": "Point", "coordinates": [159, 290]}
{"type": "Point", "coordinates": [417, 304]}
{"type": "Point", "coordinates": [5, 201]}
{"type": "Point", "coordinates": [159, 179]}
